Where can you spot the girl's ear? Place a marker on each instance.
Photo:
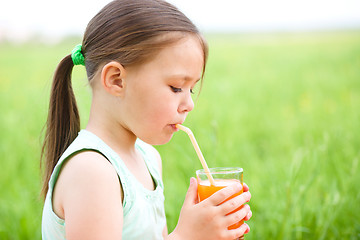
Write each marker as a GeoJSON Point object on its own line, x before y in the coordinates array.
{"type": "Point", "coordinates": [113, 78]}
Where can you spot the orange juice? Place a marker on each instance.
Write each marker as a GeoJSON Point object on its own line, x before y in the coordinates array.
{"type": "Point", "coordinates": [205, 190]}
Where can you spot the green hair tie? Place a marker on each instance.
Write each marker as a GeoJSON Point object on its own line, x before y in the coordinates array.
{"type": "Point", "coordinates": [77, 56]}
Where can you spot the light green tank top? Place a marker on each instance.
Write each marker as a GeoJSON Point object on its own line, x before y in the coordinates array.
{"type": "Point", "coordinates": [143, 210]}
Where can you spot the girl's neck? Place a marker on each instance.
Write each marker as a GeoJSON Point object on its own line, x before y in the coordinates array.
{"type": "Point", "coordinates": [122, 141]}
{"type": "Point", "coordinates": [117, 137]}
{"type": "Point", "coordinates": [104, 124]}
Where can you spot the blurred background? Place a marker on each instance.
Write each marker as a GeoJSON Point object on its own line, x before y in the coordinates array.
{"type": "Point", "coordinates": [281, 99]}
{"type": "Point", "coordinates": [52, 20]}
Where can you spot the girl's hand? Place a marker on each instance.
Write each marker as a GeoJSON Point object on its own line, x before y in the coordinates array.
{"type": "Point", "coordinates": [210, 218]}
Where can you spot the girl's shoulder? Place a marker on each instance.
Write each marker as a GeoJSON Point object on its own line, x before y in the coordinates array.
{"type": "Point", "coordinates": [82, 177]}
{"type": "Point", "coordinates": [87, 163]}
{"type": "Point", "coordinates": [88, 190]}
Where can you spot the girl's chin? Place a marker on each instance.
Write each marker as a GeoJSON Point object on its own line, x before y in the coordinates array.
{"type": "Point", "coordinates": [158, 141]}
{"type": "Point", "coordinates": [162, 142]}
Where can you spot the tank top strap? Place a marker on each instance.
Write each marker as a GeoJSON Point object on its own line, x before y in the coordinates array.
{"type": "Point", "coordinates": [151, 160]}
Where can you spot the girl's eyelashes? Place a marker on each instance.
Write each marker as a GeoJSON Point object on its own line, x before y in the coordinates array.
{"type": "Point", "coordinates": [176, 90]}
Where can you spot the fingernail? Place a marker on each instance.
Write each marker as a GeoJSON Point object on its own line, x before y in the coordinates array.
{"type": "Point", "coordinates": [192, 181]}
{"type": "Point", "coordinates": [246, 228]}
{"type": "Point", "coordinates": [248, 196]}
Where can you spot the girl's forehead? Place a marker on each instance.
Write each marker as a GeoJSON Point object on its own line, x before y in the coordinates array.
{"type": "Point", "coordinates": [186, 49]}
{"type": "Point", "coordinates": [179, 40]}
{"type": "Point", "coordinates": [182, 58]}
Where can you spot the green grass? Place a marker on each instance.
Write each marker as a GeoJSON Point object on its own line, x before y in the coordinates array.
{"type": "Point", "coordinates": [285, 107]}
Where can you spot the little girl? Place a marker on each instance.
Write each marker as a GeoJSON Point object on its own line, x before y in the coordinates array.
{"type": "Point", "coordinates": [142, 58]}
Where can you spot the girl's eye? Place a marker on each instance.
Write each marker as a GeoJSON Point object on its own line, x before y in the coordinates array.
{"type": "Point", "coordinates": [174, 89]}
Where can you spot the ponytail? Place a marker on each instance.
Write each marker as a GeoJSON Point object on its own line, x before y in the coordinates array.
{"type": "Point", "coordinates": [63, 122]}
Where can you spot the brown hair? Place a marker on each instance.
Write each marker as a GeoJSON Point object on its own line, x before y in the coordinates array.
{"type": "Point", "coordinates": [127, 31]}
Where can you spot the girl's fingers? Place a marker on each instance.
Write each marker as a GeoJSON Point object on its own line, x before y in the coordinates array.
{"type": "Point", "coordinates": [191, 196]}
{"type": "Point", "coordinates": [236, 233]}
{"type": "Point", "coordinates": [238, 215]}
{"type": "Point", "coordinates": [223, 194]}
{"type": "Point", "coordinates": [247, 228]}
{"type": "Point", "coordinates": [246, 187]}
{"type": "Point", "coordinates": [234, 203]}
{"type": "Point", "coordinates": [248, 216]}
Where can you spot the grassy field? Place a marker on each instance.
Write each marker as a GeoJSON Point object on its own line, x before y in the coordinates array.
{"type": "Point", "coordinates": [285, 107]}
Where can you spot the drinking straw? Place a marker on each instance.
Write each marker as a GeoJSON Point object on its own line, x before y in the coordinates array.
{"type": "Point", "coordinates": [198, 151]}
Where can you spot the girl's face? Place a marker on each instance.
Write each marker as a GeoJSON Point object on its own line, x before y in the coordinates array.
{"type": "Point", "coordinates": [158, 93]}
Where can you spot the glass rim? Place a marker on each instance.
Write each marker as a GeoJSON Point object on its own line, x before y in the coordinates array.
{"type": "Point", "coordinates": [221, 170]}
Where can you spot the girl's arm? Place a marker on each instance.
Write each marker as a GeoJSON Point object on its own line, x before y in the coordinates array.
{"type": "Point", "coordinates": [87, 194]}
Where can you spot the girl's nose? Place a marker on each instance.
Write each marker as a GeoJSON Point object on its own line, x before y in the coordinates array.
{"type": "Point", "coordinates": [187, 103]}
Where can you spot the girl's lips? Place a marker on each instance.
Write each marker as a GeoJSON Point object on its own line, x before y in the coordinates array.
{"type": "Point", "coordinates": [174, 127]}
